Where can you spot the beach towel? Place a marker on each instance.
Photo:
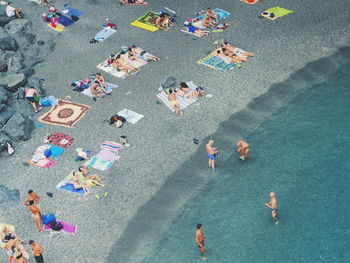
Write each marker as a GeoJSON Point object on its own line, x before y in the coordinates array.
{"type": "Point", "coordinates": [105, 33]}
{"type": "Point", "coordinates": [130, 116]}
{"type": "Point", "coordinates": [67, 228]}
{"type": "Point", "coordinates": [66, 114]}
{"type": "Point", "coordinates": [56, 151]}
{"type": "Point", "coordinates": [250, 2]}
{"type": "Point", "coordinates": [126, 2]}
{"type": "Point", "coordinates": [44, 163]}
{"type": "Point", "coordinates": [106, 155]}
{"type": "Point", "coordinates": [60, 139]}
{"type": "Point", "coordinates": [222, 14]}
{"type": "Point", "coordinates": [163, 96]}
{"type": "Point", "coordinates": [58, 28]}
{"type": "Point", "coordinates": [65, 21]}
{"type": "Point", "coordinates": [213, 61]}
{"type": "Point", "coordinates": [120, 74]}
{"type": "Point", "coordinates": [275, 12]}
{"type": "Point", "coordinates": [185, 30]}
{"type": "Point", "coordinates": [98, 164]}
{"type": "Point", "coordinates": [72, 11]}
{"type": "Point", "coordinates": [35, 1]}
{"type": "Point", "coordinates": [87, 92]}
{"type": "Point", "coordinates": [11, 228]}
{"type": "Point", "coordinates": [65, 186]}
{"type": "Point", "coordinates": [111, 146]}
{"type": "Point", "coordinates": [147, 21]}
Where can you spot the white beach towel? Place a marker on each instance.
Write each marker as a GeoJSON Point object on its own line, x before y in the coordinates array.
{"type": "Point", "coordinates": [130, 116]}
{"type": "Point", "coordinates": [182, 101]}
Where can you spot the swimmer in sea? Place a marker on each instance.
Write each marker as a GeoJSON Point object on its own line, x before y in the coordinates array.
{"type": "Point", "coordinates": [243, 149]}
{"type": "Point", "coordinates": [273, 206]}
{"type": "Point", "coordinates": [200, 239]}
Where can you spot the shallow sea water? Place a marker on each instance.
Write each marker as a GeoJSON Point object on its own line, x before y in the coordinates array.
{"type": "Point", "coordinates": [301, 153]}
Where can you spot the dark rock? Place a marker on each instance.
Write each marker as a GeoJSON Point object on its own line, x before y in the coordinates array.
{"type": "Point", "coordinates": [34, 52]}
{"type": "Point", "coordinates": [40, 42]}
{"type": "Point", "coordinates": [18, 128]}
{"type": "Point", "coordinates": [51, 45]}
{"type": "Point", "coordinates": [30, 38]}
{"type": "Point", "coordinates": [36, 83]}
{"type": "Point", "coordinates": [13, 81]}
{"type": "Point", "coordinates": [5, 20]}
{"type": "Point", "coordinates": [10, 54]}
{"type": "Point", "coordinates": [3, 61]}
{"type": "Point", "coordinates": [3, 33]}
{"type": "Point", "coordinates": [6, 114]}
{"type": "Point", "coordinates": [18, 26]}
{"type": "Point", "coordinates": [14, 65]}
{"type": "Point", "coordinates": [28, 72]}
{"type": "Point", "coordinates": [8, 43]}
{"type": "Point", "coordinates": [8, 198]}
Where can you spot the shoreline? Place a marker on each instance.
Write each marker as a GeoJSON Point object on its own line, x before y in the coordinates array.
{"type": "Point", "coordinates": [161, 142]}
{"type": "Point", "coordinates": [142, 236]}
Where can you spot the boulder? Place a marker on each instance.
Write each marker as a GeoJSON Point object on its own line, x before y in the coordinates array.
{"type": "Point", "coordinates": [3, 61]}
{"type": "Point", "coordinates": [10, 54]}
{"type": "Point", "coordinates": [5, 114]}
{"type": "Point", "coordinates": [14, 65]}
{"type": "Point", "coordinates": [30, 38]}
{"type": "Point", "coordinates": [18, 128]}
{"type": "Point", "coordinates": [13, 81]}
{"type": "Point", "coordinates": [5, 20]}
{"type": "Point", "coordinates": [28, 72]}
{"type": "Point", "coordinates": [8, 43]}
{"type": "Point", "coordinates": [40, 42]}
{"type": "Point", "coordinates": [18, 26]}
{"type": "Point", "coordinates": [3, 33]}
{"type": "Point", "coordinates": [8, 198]}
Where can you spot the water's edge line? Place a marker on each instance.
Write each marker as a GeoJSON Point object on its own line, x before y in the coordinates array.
{"type": "Point", "coordinates": [185, 180]}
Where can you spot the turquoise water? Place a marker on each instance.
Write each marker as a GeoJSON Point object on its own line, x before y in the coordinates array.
{"type": "Point", "coordinates": [301, 153]}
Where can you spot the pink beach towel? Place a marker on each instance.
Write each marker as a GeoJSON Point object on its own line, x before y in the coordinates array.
{"type": "Point", "coordinates": [67, 228]}
{"type": "Point", "coordinates": [106, 155]}
{"type": "Point", "coordinates": [111, 146]}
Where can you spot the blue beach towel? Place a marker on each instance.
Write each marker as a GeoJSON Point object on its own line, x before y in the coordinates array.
{"type": "Point", "coordinates": [65, 21]}
{"type": "Point", "coordinates": [56, 151]}
{"type": "Point", "coordinates": [222, 14]}
{"type": "Point", "coordinates": [104, 34]}
{"type": "Point", "coordinates": [70, 188]}
{"type": "Point", "coordinates": [72, 11]}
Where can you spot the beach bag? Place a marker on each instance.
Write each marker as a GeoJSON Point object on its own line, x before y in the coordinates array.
{"type": "Point", "coordinates": [45, 102]}
{"type": "Point", "coordinates": [47, 219]}
{"type": "Point", "coordinates": [57, 226]}
{"type": "Point", "coordinates": [169, 83]}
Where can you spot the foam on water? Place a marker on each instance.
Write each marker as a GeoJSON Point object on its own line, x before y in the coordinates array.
{"type": "Point", "coordinates": [299, 152]}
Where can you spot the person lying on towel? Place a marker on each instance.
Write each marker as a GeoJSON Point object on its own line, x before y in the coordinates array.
{"type": "Point", "coordinates": [98, 90]}
{"type": "Point", "coordinates": [143, 53]}
{"type": "Point", "coordinates": [241, 54]}
{"type": "Point", "coordinates": [133, 2]}
{"type": "Point", "coordinates": [210, 19]}
{"type": "Point", "coordinates": [195, 30]}
{"type": "Point", "coordinates": [187, 93]}
{"type": "Point", "coordinates": [94, 178]}
{"type": "Point", "coordinates": [227, 57]}
{"type": "Point", "coordinates": [119, 64]}
{"type": "Point", "coordinates": [164, 22]}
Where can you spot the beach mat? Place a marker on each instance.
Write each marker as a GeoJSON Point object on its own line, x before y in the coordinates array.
{"type": "Point", "coordinates": [125, 2]}
{"type": "Point", "coordinates": [65, 114]}
{"type": "Point", "coordinates": [104, 34]}
{"type": "Point", "coordinates": [98, 164]}
{"type": "Point", "coordinates": [213, 61]}
{"type": "Point", "coordinates": [59, 28]}
{"type": "Point", "coordinates": [250, 3]}
{"type": "Point", "coordinates": [184, 103]}
{"type": "Point", "coordinates": [63, 185]}
{"type": "Point", "coordinates": [111, 146]}
{"type": "Point", "coordinates": [277, 11]}
{"type": "Point", "coordinates": [59, 139]}
{"type": "Point", "coordinates": [130, 116]}
{"type": "Point", "coordinates": [44, 163]}
{"type": "Point", "coordinates": [67, 228]}
{"type": "Point", "coordinates": [65, 21]}
{"type": "Point", "coordinates": [185, 30]}
{"type": "Point", "coordinates": [70, 11]}
{"type": "Point", "coordinates": [222, 14]}
{"type": "Point", "coordinates": [147, 21]}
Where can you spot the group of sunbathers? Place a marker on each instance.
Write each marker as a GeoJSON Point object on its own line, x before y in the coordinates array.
{"type": "Point", "coordinates": [231, 54]}
{"type": "Point", "coordinates": [15, 251]}
{"type": "Point", "coordinates": [96, 84]}
{"type": "Point", "coordinates": [183, 91]}
{"type": "Point", "coordinates": [82, 179]}
{"type": "Point", "coordinates": [133, 2]}
{"type": "Point", "coordinates": [122, 61]}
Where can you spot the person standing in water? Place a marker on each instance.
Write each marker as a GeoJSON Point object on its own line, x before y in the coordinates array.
{"type": "Point", "coordinates": [212, 153]}
{"type": "Point", "coordinates": [273, 205]}
{"type": "Point", "coordinates": [243, 149]}
{"type": "Point", "coordinates": [200, 239]}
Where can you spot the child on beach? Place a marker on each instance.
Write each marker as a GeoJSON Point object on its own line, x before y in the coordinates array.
{"type": "Point", "coordinates": [33, 96]}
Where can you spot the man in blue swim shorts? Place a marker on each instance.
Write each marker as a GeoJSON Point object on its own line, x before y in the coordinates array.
{"type": "Point", "coordinates": [211, 153]}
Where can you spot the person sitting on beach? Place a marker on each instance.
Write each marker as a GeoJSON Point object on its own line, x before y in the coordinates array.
{"type": "Point", "coordinates": [239, 52]}
{"type": "Point", "coordinates": [30, 95]}
{"type": "Point", "coordinates": [144, 54]}
{"type": "Point", "coordinates": [117, 120]}
{"type": "Point", "coordinates": [243, 149]}
{"type": "Point", "coordinates": [98, 90]}
{"type": "Point", "coordinates": [75, 182]}
{"type": "Point", "coordinates": [119, 65]}
{"type": "Point", "coordinates": [45, 3]}
{"type": "Point", "coordinates": [134, 2]}
{"type": "Point", "coordinates": [84, 170]}
{"type": "Point", "coordinates": [12, 11]}
{"type": "Point", "coordinates": [54, 22]}
{"type": "Point", "coordinates": [99, 77]}
{"type": "Point", "coordinates": [20, 254]}
{"type": "Point", "coordinates": [6, 234]}
{"type": "Point", "coordinates": [185, 91]}
{"type": "Point", "coordinates": [211, 153]}
{"type": "Point", "coordinates": [131, 55]}
{"type": "Point", "coordinates": [174, 103]}
{"type": "Point", "coordinates": [212, 15]}
{"type": "Point", "coordinates": [36, 215]}
{"type": "Point", "coordinates": [163, 21]}
{"type": "Point", "coordinates": [210, 19]}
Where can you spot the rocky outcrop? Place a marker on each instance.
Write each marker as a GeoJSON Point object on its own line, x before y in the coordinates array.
{"type": "Point", "coordinates": [8, 43]}
{"type": "Point", "coordinates": [8, 198]}
{"type": "Point", "coordinates": [12, 82]}
{"type": "Point", "coordinates": [18, 26]}
{"type": "Point", "coordinates": [18, 128]}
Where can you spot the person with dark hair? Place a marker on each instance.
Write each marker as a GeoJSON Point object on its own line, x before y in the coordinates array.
{"type": "Point", "coordinates": [163, 21]}
{"type": "Point", "coordinates": [37, 251]}
{"type": "Point", "coordinates": [98, 90]}
{"type": "Point", "coordinates": [32, 196]}
{"type": "Point", "coordinates": [200, 239]}
{"type": "Point", "coordinates": [174, 103]}
{"type": "Point", "coordinates": [12, 11]}
{"type": "Point", "coordinates": [143, 53]}
{"type": "Point", "coordinates": [36, 215]}
{"type": "Point", "coordinates": [33, 96]}
{"type": "Point", "coordinates": [99, 77]}
{"type": "Point", "coordinates": [120, 65]}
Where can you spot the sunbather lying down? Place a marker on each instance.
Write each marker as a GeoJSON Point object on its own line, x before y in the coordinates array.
{"type": "Point", "coordinates": [188, 93]}
{"type": "Point", "coordinates": [164, 21]}
{"type": "Point", "coordinates": [133, 2]}
{"type": "Point", "coordinates": [79, 181]}
{"type": "Point", "coordinates": [231, 50]}
{"type": "Point", "coordinates": [98, 90]}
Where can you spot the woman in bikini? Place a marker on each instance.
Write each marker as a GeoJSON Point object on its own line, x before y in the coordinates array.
{"type": "Point", "coordinates": [119, 64]}
{"type": "Point", "coordinates": [99, 77]}
{"type": "Point", "coordinates": [36, 215]}
{"type": "Point", "coordinates": [143, 53]}
{"type": "Point", "coordinates": [75, 182]}
{"type": "Point", "coordinates": [239, 52]}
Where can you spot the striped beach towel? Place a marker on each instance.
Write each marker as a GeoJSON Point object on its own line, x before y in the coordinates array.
{"type": "Point", "coordinates": [111, 146]}
{"type": "Point", "coordinates": [96, 163]}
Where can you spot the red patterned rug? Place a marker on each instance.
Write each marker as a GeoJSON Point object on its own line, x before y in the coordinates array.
{"type": "Point", "coordinates": [66, 113]}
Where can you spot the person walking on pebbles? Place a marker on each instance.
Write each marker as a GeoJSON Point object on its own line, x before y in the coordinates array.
{"type": "Point", "coordinates": [272, 204]}
{"type": "Point", "coordinates": [211, 153]}
{"type": "Point", "coordinates": [243, 149]}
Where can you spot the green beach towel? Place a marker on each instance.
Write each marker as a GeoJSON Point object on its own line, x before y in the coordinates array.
{"type": "Point", "coordinates": [277, 11]}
